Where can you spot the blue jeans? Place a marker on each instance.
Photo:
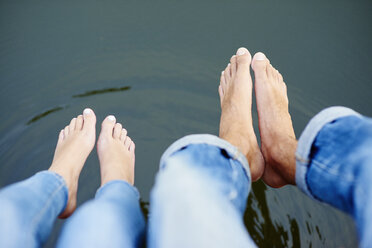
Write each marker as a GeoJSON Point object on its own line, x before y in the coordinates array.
{"type": "Point", "coordinates": [334, 165]}
{"type": "Point", "coordinates": [200, 193]}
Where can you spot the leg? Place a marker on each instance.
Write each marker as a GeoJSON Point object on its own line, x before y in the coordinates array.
{"type": "Point", "coordinates": [332, 162]}
{"type": "Point", "coordinates": [236, 126]}
{"type": "Point", "coordinates": [200, 195]}
{"type": "Point", "coordinates": [278, 141]}
{"type": "Point", "coordinates": [29, 208]}
{"type": "Point", "coordinates": [114, 217]}
{"type": "Point", "coordinates": [202, 187]}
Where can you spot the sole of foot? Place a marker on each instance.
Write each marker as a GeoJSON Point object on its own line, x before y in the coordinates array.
{"type": "Point", "coordinates": [236, 126]}
{"type": "Point", "coordinates": [75, 143]}
{"type": "Point", "coordinates": [278, 140]}
{"type": "Point", "coordinates": [115, 152]}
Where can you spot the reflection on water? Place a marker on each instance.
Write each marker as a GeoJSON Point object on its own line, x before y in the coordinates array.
{"type": "Point", "coordinates": [102, 91]}
{"type": "Point", "coordinates": [48, 112]}
{"type": "Point", "coordinates": [87, 93]}
{"type": "Point", "coordinates": [145, 208]}
{"type": "Point", "coordinates": [260, 225]}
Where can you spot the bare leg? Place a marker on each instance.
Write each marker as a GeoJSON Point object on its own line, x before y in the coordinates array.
{"type": "Point", "coordinates": [278, 141]}
{"type": "Point", "coordinates": [113, 218]}
{"type": "Point", "coordinates": [236, 126]}
{"type": "Point", "coordinates": [116, 152]}
{"type": "Point", "coordinates": [75, 143]}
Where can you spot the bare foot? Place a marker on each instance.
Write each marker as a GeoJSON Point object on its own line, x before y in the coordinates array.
{"type": "Point", "coordinates": [115, 152]}
{"type": "Point", "coordinates": [278, 140]}
{"type": "Point", "coordinates": [236, 126]}
{"type": "Point", "coordinates": [74, 144]}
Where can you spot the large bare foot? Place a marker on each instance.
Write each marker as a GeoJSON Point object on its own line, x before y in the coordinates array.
{"type": "Point", "coordinates": [75, 143]}
{"type": "Point", "coordinates": [115, 152]}
{"type": "Point", "coordinates": [236, 126]}
{"type": "Point", "coordinates": [278, 140]}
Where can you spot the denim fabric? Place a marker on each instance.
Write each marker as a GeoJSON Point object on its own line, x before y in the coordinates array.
{"type": "Point", "coordinates": [112, 219]}
{"type": "Point", "coordinates": [338, 167]}
{"type": "Point", "coordinates": [200, 195]}
{"type": "Point", "coordinates": [29, 208]}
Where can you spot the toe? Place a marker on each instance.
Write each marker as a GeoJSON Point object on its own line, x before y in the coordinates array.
{"type": "Point", "coordinates": [227, 73]}
{"type": "Point", "coordinates": [79, 122]}
{"type": "Point", "coordinates": [132, 146]}
{"type": "Point", "coordinates": [280, 77]}
{"type": "Point", "coordinates": [89, 117]}
{"type": "Point", "coordinates": [271, 72]}
{"type": "Point", "coordinates": [117, 130]}
{"type": "Point", "coordinates": [108, 126]}
{"type": "Point", "coordinates": [233, 65]}
{"type": "Point", "coordinates": [66, 131]}
{"type": "Point", "coordinates": [72, 124]}
{"type": "Point", "coordinates": [123, 135]}
{"type": "Point", "coordinates": [243, 57]}
{"type": "Point", "coordinates": [220, 92]}
{"type": "Point", "coordinates": [223, 80]}
{"type": "Point", "coordinates": [61, 136]}
{"type": "Point", "coordinates": [127, 142]}
{"type": "Point", "coordinates": [259, 65]}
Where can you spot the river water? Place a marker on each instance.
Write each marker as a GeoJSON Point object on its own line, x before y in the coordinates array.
{"type": "Point", "coordinates": [156, 64]}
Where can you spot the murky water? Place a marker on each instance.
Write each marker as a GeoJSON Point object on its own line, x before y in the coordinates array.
{"type": "Point", "coordinates": [156, 64]}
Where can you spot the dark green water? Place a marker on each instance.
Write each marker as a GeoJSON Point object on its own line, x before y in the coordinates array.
{"type": "Point", "coordinates": [156, 66]}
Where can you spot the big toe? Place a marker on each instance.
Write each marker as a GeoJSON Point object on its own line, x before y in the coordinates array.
{"type": "Point", "coordinates": [108, 125]}
{"type": "Point", "coordinates": [89, 119]}
{"type": "Point", "coordinates": [243, 56]}
{"type": "Point", "coordinates": [259, 65]}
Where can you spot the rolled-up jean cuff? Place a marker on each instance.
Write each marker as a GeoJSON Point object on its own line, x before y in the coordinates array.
{"type": "Point", "coordinates": [122, 183]}
{"type": "Point", "coordinates": [208, 139]}
{"type": "Point", "coordinates": [308, 137]}
{"type": "Point", "coordinates": [56, 176]}
{"type": "Point", "coordinates": [61, 184]}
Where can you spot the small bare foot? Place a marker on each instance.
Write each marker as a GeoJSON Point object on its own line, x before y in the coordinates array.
{"type": "Point", "coordinates": [115, 152]}
{"type": "Point", "coordinates": [278, 140]}
{"type": "Point", "coordinates": [236, 126]}
{"type": "Point", "coordinates": [75, 143]}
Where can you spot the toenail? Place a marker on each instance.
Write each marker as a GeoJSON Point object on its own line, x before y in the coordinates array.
{"type": "Point", "coordinates": [87, 111]}
{"type": "Point", "coordinates": [241, 51]}
{"type": "Point", "coordinates": [228, 64]}
{"type": "Point", "coordinates": [111, 118]}
{"type": "Point", "coordinates": [222, 72]}
{"type": "Point", "coordinates": [259, 56]}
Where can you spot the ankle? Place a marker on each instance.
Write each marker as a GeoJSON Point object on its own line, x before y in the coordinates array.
{"type": "Point", "coordinates": [281, 156]}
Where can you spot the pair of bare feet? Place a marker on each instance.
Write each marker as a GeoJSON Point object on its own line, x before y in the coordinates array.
{"type": "Point", "coordinates": [275, 161]}
{"type": "Point", "coordinates": [76, 141]}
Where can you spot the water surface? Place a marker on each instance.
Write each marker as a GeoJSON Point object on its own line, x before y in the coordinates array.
{"type": "Point", "coordinates": [155, 65]}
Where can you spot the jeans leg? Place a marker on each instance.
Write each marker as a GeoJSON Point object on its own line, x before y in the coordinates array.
{"type": "Point", "coordinates": [200, 196]}
{"type": "Point", "coordinates": [29, 208]}
{"type": "Point", "coordinates": [338, 166]}
{"type": "Point", "coordinates": [112, 219]}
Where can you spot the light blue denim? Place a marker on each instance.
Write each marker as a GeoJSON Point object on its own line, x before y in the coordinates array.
{"type": "Point", "coordinates": [29, 208]}
{"type": "Point", "coordinates": [112, 219]}
{"type": "Point", "coordinates": [200, 196]}
{"type": "Point", "coordinates": [334, 164]}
